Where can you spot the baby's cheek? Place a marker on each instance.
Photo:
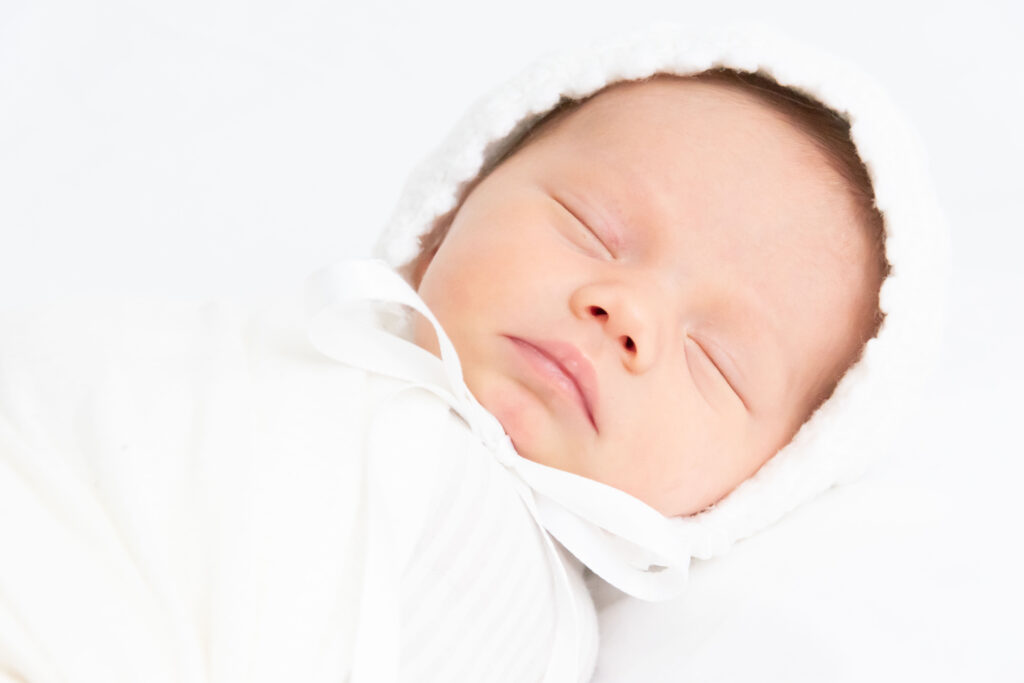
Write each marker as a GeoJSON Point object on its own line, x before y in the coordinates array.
{"type": "Point", "coordinates": [676, 443]}
{"type": "Point", "coordinates": [531, 427]}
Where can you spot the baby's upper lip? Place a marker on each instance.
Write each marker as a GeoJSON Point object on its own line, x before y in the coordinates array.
{"type": "Point", "coordinates": [576, 366]}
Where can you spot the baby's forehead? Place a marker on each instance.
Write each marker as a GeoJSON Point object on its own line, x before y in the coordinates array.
{"type": "Point", "coordinates": [723, 126]}
{"type": "Point", "coordinates": [662, 98]}
{"type": "Point", "coordinates": [681, 126]}
{"type": "Point", "coordinates": [719, 126]}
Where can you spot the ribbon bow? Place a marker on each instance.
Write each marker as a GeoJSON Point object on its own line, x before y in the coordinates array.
{"type": "Point", "coordinates": [620, 538]}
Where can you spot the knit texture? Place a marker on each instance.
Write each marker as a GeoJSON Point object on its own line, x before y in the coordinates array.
{"type": "Point", "coordinates": [855, 424]}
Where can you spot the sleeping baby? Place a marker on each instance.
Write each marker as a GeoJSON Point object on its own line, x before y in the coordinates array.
{"type": "Point", "coordinates": [661, 285]}
{"type": "Point", "coordinates": [645, 300]}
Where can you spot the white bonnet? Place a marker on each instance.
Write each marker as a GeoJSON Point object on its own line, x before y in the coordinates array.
{"type": "Point", "coordinates": [855, 424]}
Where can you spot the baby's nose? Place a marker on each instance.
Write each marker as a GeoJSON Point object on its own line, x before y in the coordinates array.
{"type": "Point", "coordinates": [626, 323]}
{"type": "Point", "coordinates": [602, 315]}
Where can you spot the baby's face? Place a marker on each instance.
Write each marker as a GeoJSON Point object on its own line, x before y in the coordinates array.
{"type": "Point", "coordinates": [654, 293]}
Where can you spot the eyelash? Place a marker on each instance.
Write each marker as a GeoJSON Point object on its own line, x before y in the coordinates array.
{"type": "Point", "coordinates": [718, 369]}
{"type": "Point", "coordinates": [586, 228]}
{"type": "Point", "coordinates": [706, 356]}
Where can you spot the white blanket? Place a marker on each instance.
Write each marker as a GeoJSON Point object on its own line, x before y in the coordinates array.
{"type": "Point", "coordinates": [189, 494]}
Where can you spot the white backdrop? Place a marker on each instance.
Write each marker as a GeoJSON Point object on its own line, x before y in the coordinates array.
{"type": "Point", "coordinates": [218, 148]}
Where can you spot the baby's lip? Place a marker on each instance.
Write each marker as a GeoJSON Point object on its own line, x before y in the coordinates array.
{"type": "Point", "coordinates": [575, 365]}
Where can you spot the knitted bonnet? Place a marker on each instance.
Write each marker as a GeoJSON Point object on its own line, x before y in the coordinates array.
{"type": "Point", "coordinates": [856, 423]}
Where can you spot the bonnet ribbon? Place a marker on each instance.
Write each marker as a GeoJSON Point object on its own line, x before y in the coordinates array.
{"type": "Point", "coordinates": [620, 538]}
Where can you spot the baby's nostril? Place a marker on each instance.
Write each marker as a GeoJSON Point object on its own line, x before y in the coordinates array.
{"type": "Point", "coordinates": [630, 346]}
{"type": "Point", "coordinates": [597, 311]}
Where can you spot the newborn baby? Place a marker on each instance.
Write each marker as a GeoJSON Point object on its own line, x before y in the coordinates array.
{"type": "Point", "coordinates": [659, 286]}
{"type": "Point", "coordinates": [641, 318]}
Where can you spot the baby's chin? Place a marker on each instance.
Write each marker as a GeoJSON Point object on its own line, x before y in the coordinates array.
{"type": "Point", "coordinates": [530, 425]}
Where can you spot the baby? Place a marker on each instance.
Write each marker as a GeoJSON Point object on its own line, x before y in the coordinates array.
{"type": "Point", "coordinates": [650, 284]}
{"type": "Point", "coordinates": [658, 286]}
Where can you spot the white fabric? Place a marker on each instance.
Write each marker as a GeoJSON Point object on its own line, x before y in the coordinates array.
{"type": "Point", "coordinates": [853, 426]}
{"type": "Point", "coordinates": [197, 494]}
{"type": "Point", "coordinates": [620, 537]}
{"type": "Point", "coordinates": [176, 561]}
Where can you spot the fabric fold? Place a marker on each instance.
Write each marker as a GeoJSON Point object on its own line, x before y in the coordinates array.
{"type": "Point", "coordinates": [619, 537]}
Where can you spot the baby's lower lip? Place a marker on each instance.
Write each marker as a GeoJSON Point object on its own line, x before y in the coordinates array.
{"type": "Point", "coordinates": [553, 373]}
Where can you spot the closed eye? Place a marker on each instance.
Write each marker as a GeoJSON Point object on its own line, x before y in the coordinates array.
{"type": "Point", "coordinates": [710, 359]}
{"type": "Point", "coordinates": [591, 236]}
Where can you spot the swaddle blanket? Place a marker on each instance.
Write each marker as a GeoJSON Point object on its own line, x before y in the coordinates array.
{"type": "Point", "coordinates": [203, 495]}
{"type": "Point", "coordinates": [198, 494]}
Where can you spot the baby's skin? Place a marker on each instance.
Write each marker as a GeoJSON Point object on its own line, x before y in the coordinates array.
{"type": "Point", "coordinates": [656, 290]}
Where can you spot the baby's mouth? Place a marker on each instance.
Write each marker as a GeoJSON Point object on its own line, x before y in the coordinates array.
{"type": "Point", "coordinates": [566, 368]}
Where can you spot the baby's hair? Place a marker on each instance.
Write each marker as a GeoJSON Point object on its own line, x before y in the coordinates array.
{"type": "Point", "coordinates": [828, 130]}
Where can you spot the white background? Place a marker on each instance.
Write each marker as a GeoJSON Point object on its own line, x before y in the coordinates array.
{"type": "Point", "coordinates": [218, 148]}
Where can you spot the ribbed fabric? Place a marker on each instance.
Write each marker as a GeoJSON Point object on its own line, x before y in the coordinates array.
{"type": "Point", "coordinates": [183, 497]}
{"type": "Point", "coordinates": [477, 594]}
